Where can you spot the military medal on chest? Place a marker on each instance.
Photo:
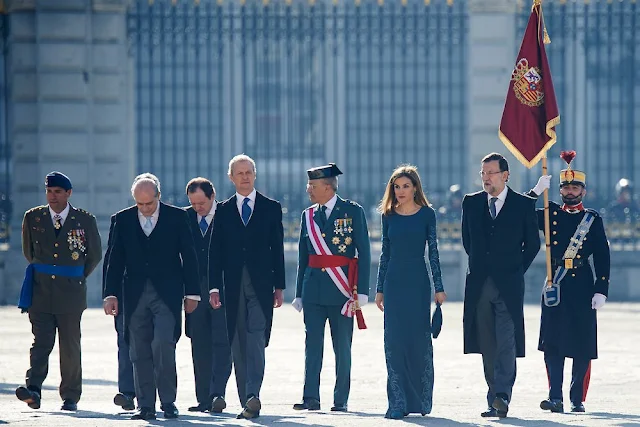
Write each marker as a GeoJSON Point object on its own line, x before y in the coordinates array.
{"type": "Point", "coordinates": [342, 226]}
{"type": "Point", "coordinates": [76, 239]}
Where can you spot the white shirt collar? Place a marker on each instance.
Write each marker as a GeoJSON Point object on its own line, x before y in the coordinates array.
{"type": "Point", "coordinates": [62, 214]}
{"type": "Point", "coordinates": [211, 213]}
{"type": "Point", "coordinates": [154, 215]}
{"type": "Point", "coordinates": [330, 204]}
{"type": "Point", "coordinates": [502, 196]}
{"type": "Point", "coordinates": [251, 196]}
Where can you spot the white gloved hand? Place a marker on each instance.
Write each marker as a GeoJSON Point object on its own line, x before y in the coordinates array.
{"type": "Point", "coordinates": [363, 299]}
{"type": "Point", "coordinates": [297, 304]}
{"type": "Point", "coordinates": [544, 182]}
{"type": "Point", "coordinates": [597, 302]}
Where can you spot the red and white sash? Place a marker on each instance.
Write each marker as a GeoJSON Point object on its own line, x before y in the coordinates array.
{"type": "Point", "coordinates": [335, 273]}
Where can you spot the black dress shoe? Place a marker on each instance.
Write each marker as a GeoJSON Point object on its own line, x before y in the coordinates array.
{"type": "Point", "coordinates": [200, 407]}
{"type": "Point", "coordinates": [30, 397]}
{"type": "Point", "coordinates": [218, 405]}
{"type": "Point", "coordinates": [69, 405]}
{"type": "Point", "coordinates": [339, 407]}
{"type": "Point", "coordinates": [144, 414]}
{"type": "Point", "coordinates": [125, 401]}
{"type": "Point", "coordinates": [493, 413]}
{"type": "Point", "coordinates": [500, 404]}
{"type": "Point", "coordinates": [553, 405]}
{"type": "Point", "coordinates": [577, 407]}
{"type": "Point", "coordinates": [170, 410]}
{"type": "Point", "coordinates": [310, 404]}
{"type": "Point", "coordinates": [251, 409]}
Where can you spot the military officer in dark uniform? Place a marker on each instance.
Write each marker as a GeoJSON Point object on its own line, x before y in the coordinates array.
{"type": "Point", "coordinates": [62, 245]}
{"type": "Point", "coordinates": [623, 214]}
{"type": "Point", "coordinates": [569, 329]}
{"type": "Point", "coordinates": [625, 208]}
{"type": "Point", "coordinates": [331, 282]}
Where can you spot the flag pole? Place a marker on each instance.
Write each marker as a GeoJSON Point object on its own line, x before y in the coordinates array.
{"type": "Point", "coordinates": [547, 238]}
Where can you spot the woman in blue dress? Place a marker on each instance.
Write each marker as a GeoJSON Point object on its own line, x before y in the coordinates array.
{"type": "Point", "coordinates": [404, 292]}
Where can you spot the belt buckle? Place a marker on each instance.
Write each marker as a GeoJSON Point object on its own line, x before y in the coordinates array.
{"type": "Point", "coordinates": [568, 263]}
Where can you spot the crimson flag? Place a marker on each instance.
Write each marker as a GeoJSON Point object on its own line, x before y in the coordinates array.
{"type": "Point", "coordinates": [530, 110]}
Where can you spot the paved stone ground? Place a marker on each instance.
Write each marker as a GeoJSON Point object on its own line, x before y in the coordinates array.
{"type": "Point", "coordinates": [614, 395]}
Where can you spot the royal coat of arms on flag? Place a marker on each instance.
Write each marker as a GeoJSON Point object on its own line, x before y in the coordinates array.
{"type": "Point", "coordinates": [527, 84]}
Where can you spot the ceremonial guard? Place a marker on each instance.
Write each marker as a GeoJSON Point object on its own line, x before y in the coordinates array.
{"type": "Point", "coordinates": [334, 259]}
{"type": "Point", "coordinates": [62, 245]}
{"type": "Point", "coordinates": [622, 215]}
{"type": "Point", "coordinates": [568, 327]}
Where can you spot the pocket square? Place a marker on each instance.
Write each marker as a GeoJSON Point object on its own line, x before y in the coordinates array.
{"type": "Point", "coordinates": [436, 321]}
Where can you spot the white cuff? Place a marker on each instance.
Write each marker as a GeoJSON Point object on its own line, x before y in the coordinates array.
{"type": "Point", "coordinates": [193, 297]}
{"type": "Point", "coordinates": [216, 290]}
{"type": "Point", "coordinates": [110, 297]}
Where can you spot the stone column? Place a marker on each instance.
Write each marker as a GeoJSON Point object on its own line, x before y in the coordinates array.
{"type": "Point", "coordinates": [493, 45]}
{"type": "Point", "coordinates": [70, 109]}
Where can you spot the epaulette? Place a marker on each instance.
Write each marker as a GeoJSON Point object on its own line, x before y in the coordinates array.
{"type": "Point", "coordinates": [89, 214]}
{"type": "Point", "coordinates": [37, 209]}
{"type": "Point", "coordinates": [353, 203]}
{"type": "Point", "coordinates": [593, 212]}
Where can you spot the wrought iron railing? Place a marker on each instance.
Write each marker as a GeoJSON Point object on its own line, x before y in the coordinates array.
{"type": "Point", "coordinates": [595, 57]}
{"type": "Point", "coordinates": [367, 84]}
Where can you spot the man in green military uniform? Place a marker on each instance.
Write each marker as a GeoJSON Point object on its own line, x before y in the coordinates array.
{"type": "Point", "coordinates": [62, 245]}
{"type": "Point", "coordinates": [334, 258]}
{"type": "Point", "coordinates": [568, 326]}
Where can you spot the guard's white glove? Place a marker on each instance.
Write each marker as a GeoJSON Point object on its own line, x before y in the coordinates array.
{"type": "Point", "coordinates": [597, 302]}
{"type": "Point", "coordinates": [544, 182]}
{"type": "Point", "coordinates": [363, 299]}
{"type": "Point", "coordinates": [297, 304]}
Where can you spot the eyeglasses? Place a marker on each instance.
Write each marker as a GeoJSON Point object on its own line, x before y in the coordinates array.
{"type": "Point", "coordinates": [483, 173]}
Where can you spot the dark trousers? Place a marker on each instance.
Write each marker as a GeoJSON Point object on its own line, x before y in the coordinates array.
{"type": "Point", "coordinates": [125, 367]}
{"type": "Point", "coordinates": [152, 347]}
{"type": "Point", "coordinates": [580, 373]}
{"type": "Point", "coordinates": [210, 351]}
{"type": "Point", "coordinates": [249, 342]}
{"type": "Point", "coordinates": [496, 338]}
{"type": "Point", "coordinates": [43, 327]}
{"type": "Point", "coordinates": [315, 319]}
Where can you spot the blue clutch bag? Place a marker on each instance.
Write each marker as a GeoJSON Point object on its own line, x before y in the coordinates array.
{"type": "Point", "coordinates": [436, 321]}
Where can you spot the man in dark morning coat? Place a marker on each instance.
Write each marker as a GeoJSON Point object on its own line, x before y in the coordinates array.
{"type": "Point", "coordinates": [500, 236]}
{"type": "Point", "coordinates": [153, 270]}
{"type": "Point", "coordinates": [62, 245]}
{"type": "Point", "coordinates": [126, 395]}
{"type": "Point", "coordinates": [249, 268]}
{"type": "Point", "coordinates": [207, 328]}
